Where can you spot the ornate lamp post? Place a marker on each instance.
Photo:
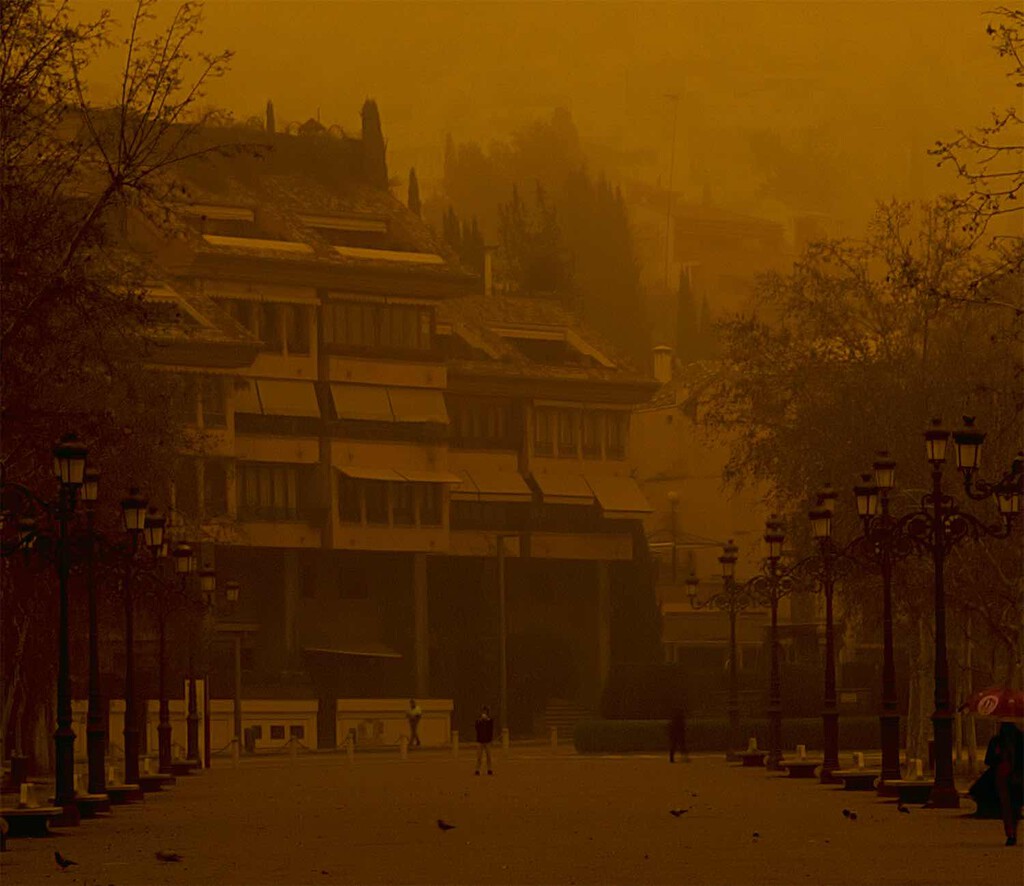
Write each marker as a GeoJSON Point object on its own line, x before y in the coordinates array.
{"type": "Point", "coordinates": [183, 558]}
{"type": "Point", "coordinates": [69, 460]}
{"type": "Point", "coordinates": [96, 727]}
{"type": "Point", "coordinates": [133, 509]}
{"type": "Point", "coordinates": [732, 599]}
{"type": "Point", "coordinates": [824, 571]}
{"type": "Point", "coordinates": [207, 589]}
{"type": "Point", "coordinates": [939, 526]}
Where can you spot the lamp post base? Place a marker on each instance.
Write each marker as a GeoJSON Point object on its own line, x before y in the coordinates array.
{"type": "Point", "coordinates": [943, 797]}
{"type": "Point", "coordinates": [163, 731]}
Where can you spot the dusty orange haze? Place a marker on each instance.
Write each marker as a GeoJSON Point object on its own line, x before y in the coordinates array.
{"type": "Point", "coordinates": [870, 83]}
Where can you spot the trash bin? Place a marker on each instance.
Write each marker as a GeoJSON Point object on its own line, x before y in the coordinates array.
{"type": "Point", "coordinates": [249, 740]}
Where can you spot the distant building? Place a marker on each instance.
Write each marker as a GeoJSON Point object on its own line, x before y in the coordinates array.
{"type": "Point", "coordinates": [374, 428]}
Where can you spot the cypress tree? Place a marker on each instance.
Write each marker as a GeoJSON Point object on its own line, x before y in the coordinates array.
{"type": "Point", "coordinates": [414, 192]}
{"type": "Point", "coordinates": [375, 166]}
{"type": "Point", "coordinates": [271, 121]}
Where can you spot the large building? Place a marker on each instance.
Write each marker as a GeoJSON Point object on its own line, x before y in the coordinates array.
{"type": "Point", "coordinates": [374, 426]}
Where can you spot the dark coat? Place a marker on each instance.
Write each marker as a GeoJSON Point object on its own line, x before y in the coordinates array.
{"type": "Point", "coordinates": [485, 730]}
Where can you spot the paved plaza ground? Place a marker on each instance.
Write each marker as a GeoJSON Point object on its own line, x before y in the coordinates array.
{"type": "Point", "coordinates": [541, 819]}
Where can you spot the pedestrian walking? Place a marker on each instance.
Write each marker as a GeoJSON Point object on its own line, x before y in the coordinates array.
{"type": "Point", "coordinates": [1006, 754]}
{"type": "Point", "coordinates": [414, 715]}
{"type": "Point", "coordinates": [484, 737]}
{"type": "Point", "coordinates": [677, 736]}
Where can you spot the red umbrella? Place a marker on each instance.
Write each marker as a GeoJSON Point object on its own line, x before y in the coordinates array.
{"type": "Point", "coordinates": [997, 701]}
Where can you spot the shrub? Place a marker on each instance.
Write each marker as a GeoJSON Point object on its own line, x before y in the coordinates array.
{"type": "Point", "coordinates": [624, 736]}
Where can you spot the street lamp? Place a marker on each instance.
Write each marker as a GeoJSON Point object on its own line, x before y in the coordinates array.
{"type": "Point", "coordinates": [69, 458]}
{"type": "Point", "coordinates": [823, 570]}
{"type": "Point", "coordinates": [183, 560]}
{"type": "Point", "coordinates": [96, 726]}
{"type": "Point", "coordinates": [133, 510]}
{"type": "Point", "coordinates": [207, 589]}
{"type": "Point", "coordinates": [732, 599]}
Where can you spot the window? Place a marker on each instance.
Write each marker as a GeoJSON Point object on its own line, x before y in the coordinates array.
{"type": "Point", "coordinates": [277, 733]}
{"type": "Point", "coordinates": [591, 435]}
{"type": "Point", "coordinates": [375, 325]}
{"type": "Point", "coordinates": [376, 493]}
{"type": "Point", "coordinates": [272, 492]}
{"type": "Point", "coordinates": [247, 658]}
{"type": "Point", "coordinates": [544, 432]}
{"type": "Point", "coordinates": [215, 489]}
{"type": "Point", "coordinates": [616, 428]}
{"type": "Point", "coordinates": [567, 433]}
{"type": "Point", "coordinates": [296, 329]}
{"type": "Point", "coordinates": [214, 402]}
{"type": "Point", "coordinates": [481, 423]}
{"type": "Point", "coordinates": [186, 488]}
{"type": "Point", "coordinates": [349, 509]}
{"type": "Point", "coordinates": [257, 732]}
{"type": "Point", "coordinates": [403, 511]}
{"type": "Point", "coordinates": [298, 732]}
{"type": "Point", "coordinates": [243, 312]}
{"type": "Point", "coordinates": [184, 399]}
{"type": "Point", "coordinates": [430, 503]}
{"type": "Point", "coordinates": [270, 327]}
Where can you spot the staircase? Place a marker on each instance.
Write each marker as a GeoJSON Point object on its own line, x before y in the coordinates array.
{"type": "Point", "coordinates": [564, 715]}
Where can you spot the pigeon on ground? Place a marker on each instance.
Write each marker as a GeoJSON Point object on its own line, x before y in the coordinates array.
{"type": "Point", "coordinates": [678, 812]}
{"type": "Point", "coordinates": [901, 808]}
{"type": "Point", "coordinates": [444, 826]}
{"type": "Point", "coordinates": [756, 836]}
{"type": "Point", "coordinates": [164, 855]}
{"type": "Point", "coordinates": [853, 816]}
{"type": "Point", "coordinates": [62, 862]}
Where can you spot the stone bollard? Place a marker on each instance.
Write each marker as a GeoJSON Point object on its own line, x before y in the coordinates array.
{"type": "Point", "coordinates": [293, 749]}
{"type": "Point", "coordinates": [455, 743]}
{"type": "Point", "coordinates": [25, 798]}
{"type": "Point", "coordinates": [801, 751]}
{"type": "Point", "coordinates": [506, 739]}
{"type": "Point", "coordinates": [350, 749]}
{"type": "Point", "coordinates": [111, 775]}
{"type": "Point", "coordinates": [858, 760]}
{"type": "Point", "coordinates": [403, 747]}
{"type": "Point", "coordinates": [554, 739]}
{"type": "Point", "coordinates": [145, 765]}
{"type": "Point", "coordinates": [751, 744]}
{"type": "Point", "coordinates": [918, 769]}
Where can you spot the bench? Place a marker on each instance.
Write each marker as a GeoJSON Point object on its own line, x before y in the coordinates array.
{"type": "Point", "coordinates": [150, 784]}
{"type": "Point", "coordinates": [92, 805]}
{"type": "Point", "coordinates": [184, 767]}
{"type": "Point", "coordinates": [802, 768]}
{"type": "Point", "coordinates": [120, 794]}
{"type": "Point", "coordinates": [912, 791]}
{"type": "Point", "coordinates": [30, 821]}
{"type": "Point", "coordinates": [858, 779]}
{"type": "Point", "coordinates": [753, 758]}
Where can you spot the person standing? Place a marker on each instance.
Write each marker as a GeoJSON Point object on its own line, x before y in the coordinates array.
{"type": "Point", "coordinates": [677, 736]}
{"type": "Point", "coordinates": [1005, 753]}
{"type": "Point", "coordinates": [414, 715]}
{"type": "Point", "coordinates": [484, 737]}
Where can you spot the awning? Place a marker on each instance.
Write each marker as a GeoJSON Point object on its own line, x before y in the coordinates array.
{"type": "Point", "coordinates": [369, 473]}
{"type": "Point", "coordinates": [365, 650]}
{"type": "Point", "coordinates": [430, 476]}
{"type": "Point", "coordinates": [418, 405]}
{"type": "Point", "coordinates": [361, 402]}
{"type": "Point", "coordinates": [246, 398]}
{"type": "Point", "coordinates": [564, 489]}
{"type": "Point", "coordinates": [492, 485]}
{"type": "Point", "coordinates": [619, 497]}
{"type": "Point", "coordinates": [294, 398]}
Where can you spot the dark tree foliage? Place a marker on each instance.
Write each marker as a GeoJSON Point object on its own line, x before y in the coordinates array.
{"type": "Point", "coordinates": [374, 146]}
{"type": "Point", "coordinates": [414, 193]}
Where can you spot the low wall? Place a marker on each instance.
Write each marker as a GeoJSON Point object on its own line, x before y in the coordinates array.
{"type": "Point", "coordinates": [380, 722]}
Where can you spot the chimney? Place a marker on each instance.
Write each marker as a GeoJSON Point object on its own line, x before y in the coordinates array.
{"type": "Point", "coordinates": [663, 363]}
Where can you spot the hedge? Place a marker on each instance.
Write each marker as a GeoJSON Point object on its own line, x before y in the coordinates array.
{"type": "Point", "coordinates": [622, 736]}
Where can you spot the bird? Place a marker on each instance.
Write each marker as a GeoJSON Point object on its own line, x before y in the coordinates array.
{"type": "Point", "coordinates": [901, 808]}
{"type": "Point", "coordinates": [165, 855]}
{"type": "Point", "coordinates": [678, 812]}
{"type": "Point", "coordinates": [444, 826]}
{"type": "Point", "coordinates": [756, 835]}
{"type": "Point", "coordinates": [853, 816]}
{"type": "Point", "coordinates": [62, 862]}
